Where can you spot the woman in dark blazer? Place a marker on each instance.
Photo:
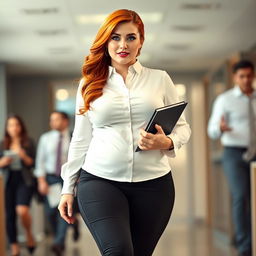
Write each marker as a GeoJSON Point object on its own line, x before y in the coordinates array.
{"type": "Point", "coordinates": [17, 155]}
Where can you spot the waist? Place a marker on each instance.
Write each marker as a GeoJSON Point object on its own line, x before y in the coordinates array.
{"type": "Point", "coordinates": [238, 148]}
{"type": "Point", "coordinates": [51, 175]}
{"type": "Point", "coordinates": [15, 170]}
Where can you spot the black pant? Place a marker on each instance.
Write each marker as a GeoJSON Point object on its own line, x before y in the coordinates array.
{"type": "Point", "coordinates": [16, 193]}
{"type": "Point", "coordinates": [125, 219]}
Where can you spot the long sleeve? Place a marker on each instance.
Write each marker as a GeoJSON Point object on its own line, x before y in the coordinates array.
{"type": "Point", "coordinates": [181, 132]}
{"type": "Point", "coordinates": [31, 151]}
{"type": "Point", "coordinates": [78, 148]}
{"type": "Point", "coordinates": [214, 131]}
{"type": "Point", "coordinates": [40, 158]}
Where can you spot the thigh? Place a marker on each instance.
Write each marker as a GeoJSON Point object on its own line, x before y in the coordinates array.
{"type": "Point", "coordinates": [10, 199]}
{"type": "Point", "coordinates": [151, 204]}
{"type": "Point", "coordinates": [24, 194]}
{"type": "Point", "coordinates": [105, 211]}
{"type": "Point", "coordinates": [237, 172]}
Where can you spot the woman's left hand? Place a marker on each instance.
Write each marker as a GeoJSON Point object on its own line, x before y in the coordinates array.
{"type": "Point", "coordinates": [149, 141]}
{"type": "Point", "coordinates": [24, 157]}
{"type": "Point", "coordinates": [22, 153]}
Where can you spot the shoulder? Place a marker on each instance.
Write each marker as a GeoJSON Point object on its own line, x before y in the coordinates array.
{"type": "Point", "coordinates": [225, 95]}
{"type": "Point", "coordinates": [154, 72]}
{"type": "Point", "coordinates": [48, 135]}
{"type": "Point", "coordinates": [157, 75]}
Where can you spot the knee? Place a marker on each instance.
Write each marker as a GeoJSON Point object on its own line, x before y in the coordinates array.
{"type": "Point", "coordinates": [22, 211]}
{"type": "Point", "coordinates": [121, 250]}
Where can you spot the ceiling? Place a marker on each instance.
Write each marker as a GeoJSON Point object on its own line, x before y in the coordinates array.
{"type": "Point", "coordinates": [45, 36]}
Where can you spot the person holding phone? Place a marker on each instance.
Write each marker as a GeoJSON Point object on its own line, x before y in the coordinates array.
{"type": "Point", "coordinates": [125, 197]}
{"type": "Point", "coordinates": [17, 157]}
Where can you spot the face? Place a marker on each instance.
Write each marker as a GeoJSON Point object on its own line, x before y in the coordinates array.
{"type": "Point", "coordinates": [13, 127]}
{"type": "Point", "coordinates": [244, 78]}
{"type": "Point", "coordinates": [124, 45]}
{"type": "Point", "coordinates": [57, 122]}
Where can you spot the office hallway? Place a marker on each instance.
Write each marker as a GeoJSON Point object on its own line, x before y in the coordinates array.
{"type": "Point", "coordinates": [178, 240]}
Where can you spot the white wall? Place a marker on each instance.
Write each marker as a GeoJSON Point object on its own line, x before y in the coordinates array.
{"type": "Point", "coordinates": [189, 167]}
{"type": "Point", "coordinates": [30, 98]}
{"type": "Point", "coordinates": [3, 108]}
{"type": "Point", "coordinates": [199, 149]}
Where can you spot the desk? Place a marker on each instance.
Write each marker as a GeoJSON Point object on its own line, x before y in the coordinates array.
{"type": "Point", "coordinates": [253, 205]}
{"type": "Point", "coordinates": [2, 222]}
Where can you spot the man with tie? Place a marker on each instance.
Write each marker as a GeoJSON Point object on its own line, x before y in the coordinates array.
{"type": "Point", "coordinates": [233, 119]}
{"type": "Point", "coordinates": [52, 152]}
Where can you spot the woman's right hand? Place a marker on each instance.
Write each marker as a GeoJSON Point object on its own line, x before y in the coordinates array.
{"type": "Point", "coordinates": [5, 161]}
{"type": "Point", "coordinates": [66, 208]}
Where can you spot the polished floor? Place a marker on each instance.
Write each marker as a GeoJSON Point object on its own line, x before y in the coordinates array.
{"type": "Point", "coordinates": [178, 240]}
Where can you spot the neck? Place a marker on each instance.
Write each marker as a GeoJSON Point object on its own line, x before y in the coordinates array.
{"type": "Point", "coordinates": [62, 130]}
{"type": "Point", "coordinates": [122, 70]}
{"type": "Point", "coordinates": [15, 139]}
{"type": "Point", "coordinates": [248, 91]}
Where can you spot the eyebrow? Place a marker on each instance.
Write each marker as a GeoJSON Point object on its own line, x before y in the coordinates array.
{"type": "Point", "coordinates": [131, 34]}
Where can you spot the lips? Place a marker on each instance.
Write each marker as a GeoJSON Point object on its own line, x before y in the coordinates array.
{"type": "Point", "coordinates": [123, 54]}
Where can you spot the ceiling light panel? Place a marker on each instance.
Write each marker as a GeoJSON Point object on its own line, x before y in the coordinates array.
{"type": "Point", "coordinates": [188, 28]}
{"type": "Point", "coordinates": [150, 17]}
{"type": "Point", "coordinates": [51, 32]}
{"type": "Point", "coordinates": [40, 11]}
{"type": "Point", "coordinates": [201, 6]}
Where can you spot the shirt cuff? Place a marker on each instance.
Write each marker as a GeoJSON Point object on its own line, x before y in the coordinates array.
{"type": "Point", "coordinates": [68, 189]}
{"type": "Point", "coordinates": [172, 152]}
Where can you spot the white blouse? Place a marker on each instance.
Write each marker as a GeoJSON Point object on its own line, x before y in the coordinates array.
{"type": "Point", "coordinates": [105, 137]}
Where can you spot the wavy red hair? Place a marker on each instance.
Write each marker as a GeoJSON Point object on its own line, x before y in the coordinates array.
{"type": "Point", "coordinates": [95, 68]}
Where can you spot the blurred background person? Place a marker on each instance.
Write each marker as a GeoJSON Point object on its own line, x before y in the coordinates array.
{"type": "Point", "coordinates": [17, 155]}
{"type": "Point", "coordinates": [233, 119]}
{"type": "Point", "coordinates": [51, 154]}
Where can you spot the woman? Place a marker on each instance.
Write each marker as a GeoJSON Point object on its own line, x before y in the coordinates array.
{"type": "Point", "coordinates": [17, 154]}
{"type": "Point", "coordinates": [125, 197]}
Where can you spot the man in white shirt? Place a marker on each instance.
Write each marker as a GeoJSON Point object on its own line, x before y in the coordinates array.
{"type": "Point", "coordinates": [51, 154]}
{"type": "Point", "coordinates": [233, 119]}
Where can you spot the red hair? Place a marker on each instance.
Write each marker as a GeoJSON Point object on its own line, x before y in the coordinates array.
{"type": "Point", "coordinates": [95, 68]}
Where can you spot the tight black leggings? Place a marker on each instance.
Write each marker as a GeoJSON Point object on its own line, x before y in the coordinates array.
{"type": "Point", "coordinates": [125, 219]}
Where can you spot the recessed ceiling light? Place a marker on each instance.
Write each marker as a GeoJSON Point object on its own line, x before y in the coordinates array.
{"type": "Point", "coordinates": [154, 17]}
{"type": "Point", "coordinates": [188, 28]}
{"type": "Point", "coordinates": [91, 18]}
{"type": "Point", "coordinates": [61, 94]}
{"type": "Point", "coordinates": [201, 6]}
{"type": "Point", "coordinates": [36, 11]}
{"type": "Point", "coordinates": [51, 32]}
{"type": "Point", "coordinates": [151, 17]}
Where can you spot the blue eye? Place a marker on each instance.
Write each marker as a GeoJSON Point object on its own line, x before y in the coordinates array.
{"type": "Point", "coordinates": [116, 38]}
{"type": "Point", "coordinates": [131, 38]}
